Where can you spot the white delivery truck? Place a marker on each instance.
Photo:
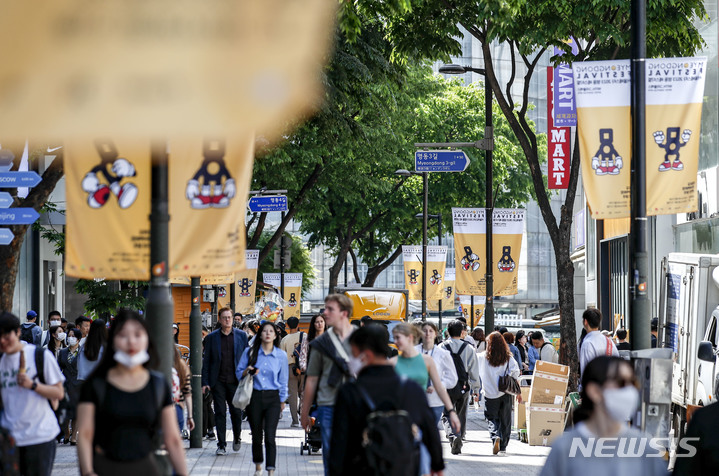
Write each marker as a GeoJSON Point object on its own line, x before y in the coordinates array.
{"type": "Point", "coordinates": [688, 315]}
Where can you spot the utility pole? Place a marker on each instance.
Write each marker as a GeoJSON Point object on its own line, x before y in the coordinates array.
{"type": "Point", "coordinates": [489, 204]}
{"type": "Point", "coordinates": [439, 242]}
{"type": "Point", "coordinates": [196, 362]}
{"type": "Point", "coordinates": [425, 193]}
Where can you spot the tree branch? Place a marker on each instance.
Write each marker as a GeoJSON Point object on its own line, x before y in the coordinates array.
{"type": "Point", "coordinates": [355, 266]}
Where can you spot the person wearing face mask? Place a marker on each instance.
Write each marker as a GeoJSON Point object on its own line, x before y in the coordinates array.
{"type": "Point", "coordinates": [91, 349]}
{"type": "Point", "coordinates": [57, 340]}
{"type": "Point", "coordinates": [55, 319]}
{"type": "Point", "coordinates": [68, 364]}
{"type": "Point", "coordinates": [124, 404]}
{"type": "Point", "coordinates": [268, 363]}
{"type": "Point", "coordinates": [609, 400]}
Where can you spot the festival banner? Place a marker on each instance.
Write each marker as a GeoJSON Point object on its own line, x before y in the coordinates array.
{"type": "Point", "coordinates": [602, 91]}
{"type": "Point", "coordinates": [292, 294]}
{"type": "Point", "coordinates": [465, 307]}
{"type": "Point", "coordinates": [108, 209]}
{"type": "Point", "coordinates": [507, 231]}
{"type": "Point", "coordinates": [436, 265]}
{"type": "Point", "coordinates": [209, 181]}
{"type": "Point", "coordinates": [246, 283]}
{"type": "Point", "coordinates": [469, 243]}
{"type": "Point", "coordinates": [675, 92]}
{"type": "Point", "coordinates": [447, 293]}
{"type": "Point", "coordinates": [565, 110]}
{"type": "Point", "coordinates": [412, 258]}
{"type": "Point", "coordinates": [558, 143]}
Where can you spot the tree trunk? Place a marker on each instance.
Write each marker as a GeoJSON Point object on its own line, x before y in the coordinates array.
{"type": "Point", "coordinates": [10, 254]}
{"type": "Point", "coordinates": [336, 268]}
{"type": "Point", "coordinates": [374, 271]}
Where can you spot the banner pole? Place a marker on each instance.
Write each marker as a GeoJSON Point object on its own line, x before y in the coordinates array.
{"type": "Point", "coordinates": [640, 317]}
{"type": "Point", "coordinates": [439, 242]}
{"type": "Point", "coordinates": [489, 204]}
{"type": "Point", "coordinates": [196, 362]}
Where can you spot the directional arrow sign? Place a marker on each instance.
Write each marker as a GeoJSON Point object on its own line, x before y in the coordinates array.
{"type": "Point", "coordinates": [6, 236]}
{"type": "Point", "coordinates": [440, 161]}
{"type": "Point", "coordinates": [5, 200]}
{"type": "Point", "coordinates": [19, 179]}
{"type": "Point", "coordinates": [268, 203]}
{"type": "Point", "coordinates": [18, 216]}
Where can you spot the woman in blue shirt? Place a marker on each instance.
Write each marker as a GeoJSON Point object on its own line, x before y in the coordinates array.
{"type": "Point", "coordinates": [268, 363]}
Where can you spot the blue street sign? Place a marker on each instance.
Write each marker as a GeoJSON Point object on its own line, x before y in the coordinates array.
{"type": "Point", "coordinates": [6, 236]}
{"type": "Point", "coordinates": [5, 200]}
{"type": "Point", "coordinates": [18, 216]}
{"type": "Point", "coordinates": [19, 179]}
{"type": "Point", "coordinates": [440, 161]}
{"type": "Point", "coordinates": [267, 203]}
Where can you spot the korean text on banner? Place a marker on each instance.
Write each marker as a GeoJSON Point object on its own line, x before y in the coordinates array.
{"type": "Point", "coordinates": [246, 283]}
{"type": "Point", "coordinates": [675, 92]}
{"type": "Point", "coordinates": [412, 258]}
{"type": "Point", "coordinates": [469, 243]}
{"type": "Point", "coordinates": [209, 182]}
{"type": "Point", "coordinates": [465, 307]}
{"type": "Point", "coordinates": [108, 209]}
{"type": "Point", "coordinates": [293, 294]}
{"type": "Point", "coordinates": [447, 293]}
{"type": "Point", "coordinates": [436, 265]}
{"type": "Point", "coordinates": [602, 90]}
{"type": "Point", "coordinates": [558, 147]}
{"type": "Point", "coordinates": [565, 110]}
{"type": "Point", "coordinates": [507, 231]}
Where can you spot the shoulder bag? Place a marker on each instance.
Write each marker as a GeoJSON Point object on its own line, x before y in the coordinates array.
{"type": "Point", "coordinates": [508, 384]}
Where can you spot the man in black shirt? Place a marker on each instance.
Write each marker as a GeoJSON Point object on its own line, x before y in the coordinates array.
{"type": "Point", "coordinates": [703, 440]}
{"type": "Point", "coordinates": [223, 349]}
{"type": "Point", "coordinates": [622, 343]}
{"type": "Point", "coordinates": [388, 392]}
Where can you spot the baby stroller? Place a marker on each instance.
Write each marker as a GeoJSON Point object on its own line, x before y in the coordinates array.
{"type": "Point", "coordinates": [313, 439]}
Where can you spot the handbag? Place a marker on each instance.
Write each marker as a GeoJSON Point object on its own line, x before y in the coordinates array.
{"type": "Point", "coordinates": [243, 394]}
{"type": "Point", "coordinates": [508, 384]}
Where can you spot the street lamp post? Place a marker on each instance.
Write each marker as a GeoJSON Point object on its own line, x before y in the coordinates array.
{"type": "Point", "coordinates": [488, 185]}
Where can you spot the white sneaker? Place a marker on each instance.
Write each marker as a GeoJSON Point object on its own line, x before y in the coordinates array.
{"type": "Point", "coordinates": [502, 453]}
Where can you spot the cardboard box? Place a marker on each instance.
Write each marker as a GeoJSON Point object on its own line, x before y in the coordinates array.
{"type": "Point", "coordinates": [549, 385]}
{"type": "Point", "coordinates": [520, 411]}
{"type": "Point", "coordinates": [544, 424]}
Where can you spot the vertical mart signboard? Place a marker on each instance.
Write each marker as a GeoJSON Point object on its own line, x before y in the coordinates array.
{"type": "Point", "coordinates": [558, 143]}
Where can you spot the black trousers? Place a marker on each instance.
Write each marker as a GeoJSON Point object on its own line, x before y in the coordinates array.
{"type": "Point", "coordinates": [460, 406]}
{"type": "Point", "coordinates": [222, 394]}
{"type": "Point", "coordinates": [208, 416]}
{"type": "Point", "coordinates": [263, 414]}
{"type": "Point", "coordinates": [37, 460]}
{"type": "Point", "coordinates": [498, 412]}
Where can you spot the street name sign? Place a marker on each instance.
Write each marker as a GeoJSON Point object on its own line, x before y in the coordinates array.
{"type": "Point", "coordinates": [5, 200]}
{"type": "Point", "coordinates": [268, 203]}
{"type": "Point", "coordinates": [440, 161]}
{"type": "Point", "coordinates": [19, 179]}
{"type": "Point", "coordinates": [18, 216]}
{"type": "Point", "coordinates": [6, 236]}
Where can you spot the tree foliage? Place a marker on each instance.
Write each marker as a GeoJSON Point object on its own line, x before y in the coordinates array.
{"type": "Point", "coordinates": [301, 261]}
{"type": "Point", "coordinates": [104, 298]}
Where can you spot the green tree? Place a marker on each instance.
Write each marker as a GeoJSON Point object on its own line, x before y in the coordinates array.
{"type": "Point", "coordinates": [104, 298]}
{"type": "Point", "coordinates": [430, 29]}
{"type": "Point", "coordinates": [301, 261]}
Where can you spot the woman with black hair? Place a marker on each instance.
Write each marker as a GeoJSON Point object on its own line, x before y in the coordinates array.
{"type": "Point", "coordinates": [91, 351]}
{"type": "Point", "coordinates": [601, 442]}
{"type": "Point", "coordinates": [317, 328]}
{"type": "Point", "coordinates": [57, 340]}
{"type": "Point", "coordinates": [124, 406]}
{"type": "Point", "coordinates": [496, 362]}
{"type": "Point", "coordinates": [68, 364]}
{"type": "Point", "coordinates": [268, 363]}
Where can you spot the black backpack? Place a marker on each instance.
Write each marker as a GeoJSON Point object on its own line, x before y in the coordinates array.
{"type": "Point", "coordinates": [26, 333]}
{"type": "Point", "coordinates": [64, 403]}
{"type": "Point", "coordinates": [456, 392]}
{"type": "Point", "coordinates": [296, 370]}
{"type": "Point", "coordinates": [390, 439]}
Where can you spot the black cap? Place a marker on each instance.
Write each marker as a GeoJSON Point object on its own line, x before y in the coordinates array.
{"type": "Point", "coordinates": [655, 323]}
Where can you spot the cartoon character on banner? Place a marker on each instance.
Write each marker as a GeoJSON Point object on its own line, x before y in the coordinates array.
{"type": "Point", "coordinates": [478, 313]}
{"type": "Point", "coordinates": [506, 263]}
{"type": "Point", "coordinates": [448, 292]}
{"type": "Point", "coordinates": [245, 284]}
{"type": "Point", "coordinates": [222, 291]}
{"type": "Point", "coordinates": [671, 147]}
{"type": "Point", "coordinates": [413, 275]}
{"type": "Point", "coordinates": [436, 278]}
{"type": "Point", "coordinates": [212, 185]}
{"type": "Point", "coordinates": [606, 160]}
{"type": "Point", "coordinates": [470, 260]}
{"type": "Point", "coordinates": [293, 300]}
{"type": "Point", "coordinates": [106, 178]}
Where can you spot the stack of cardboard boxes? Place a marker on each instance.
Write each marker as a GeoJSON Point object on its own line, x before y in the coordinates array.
{"type": "Point", "coordinates": [545, 412]}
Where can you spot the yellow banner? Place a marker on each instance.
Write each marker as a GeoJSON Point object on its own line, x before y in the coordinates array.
{"type": "Point", "coordinates": [675, 93]}
{"type": "Point", "coordinates": [469, 244]}
{"type": "Point", "coordinates": [108, 209]}
{"type": "Point", "coordinates": [602, 90]}
{"type": "Point", "coordinates": [436, 265]}
{"type": "Point", "coordinates": [465, 307]}
{"type": "Point", "coordinates": [447, 293]}
{"type": "Point", "coordinates": [209, 181]}
{"type": "Point", "coordinates": [246, 284]}
{"type": "Point", "coordinates": [412, 258]}
{"type": "Point", "coordinates": [507, 231]}
{"type": "Point", "coordinates": [292, 292]}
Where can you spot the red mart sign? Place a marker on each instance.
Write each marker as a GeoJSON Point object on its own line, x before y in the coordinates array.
{"type": "Point", "coordinates": [558, 149]}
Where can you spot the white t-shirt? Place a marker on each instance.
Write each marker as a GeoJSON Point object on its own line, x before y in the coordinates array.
{"type": "Point", "coordinates": [28, 415]}
{"type": "Point", "coordinates": [445, 368]}
{"type": "Point", "coordinates": [490, 375]}
{"type": "Point", "coordinates": [594, 345]}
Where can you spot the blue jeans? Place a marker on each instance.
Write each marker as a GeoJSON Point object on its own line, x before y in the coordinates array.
{"type": "Point", "coordinates": [425, 458]}
{"type": "Point", "coordinates": [437, 414]}
{"type": "Point", "coordinates": [324, 415]}
{"type": "Point", "coordinates": [180, 416]}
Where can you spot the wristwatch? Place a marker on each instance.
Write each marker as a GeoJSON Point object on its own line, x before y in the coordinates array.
{"type": "Point", "coordinates": [34, 385]}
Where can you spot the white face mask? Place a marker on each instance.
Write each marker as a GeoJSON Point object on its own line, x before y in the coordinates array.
{"type": "Point", "coordinates": [131, 361]}
{"type": "Point", "coordinates": [55, 323]}
{"type": "Point", "coordinates": [355, 365]}
{"type": "Point", "coordinates": [71, 341]}
{"type": "Point", "coordinates": [61, 336]}
{"type": "Point", "coordinates": [621, 403]}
